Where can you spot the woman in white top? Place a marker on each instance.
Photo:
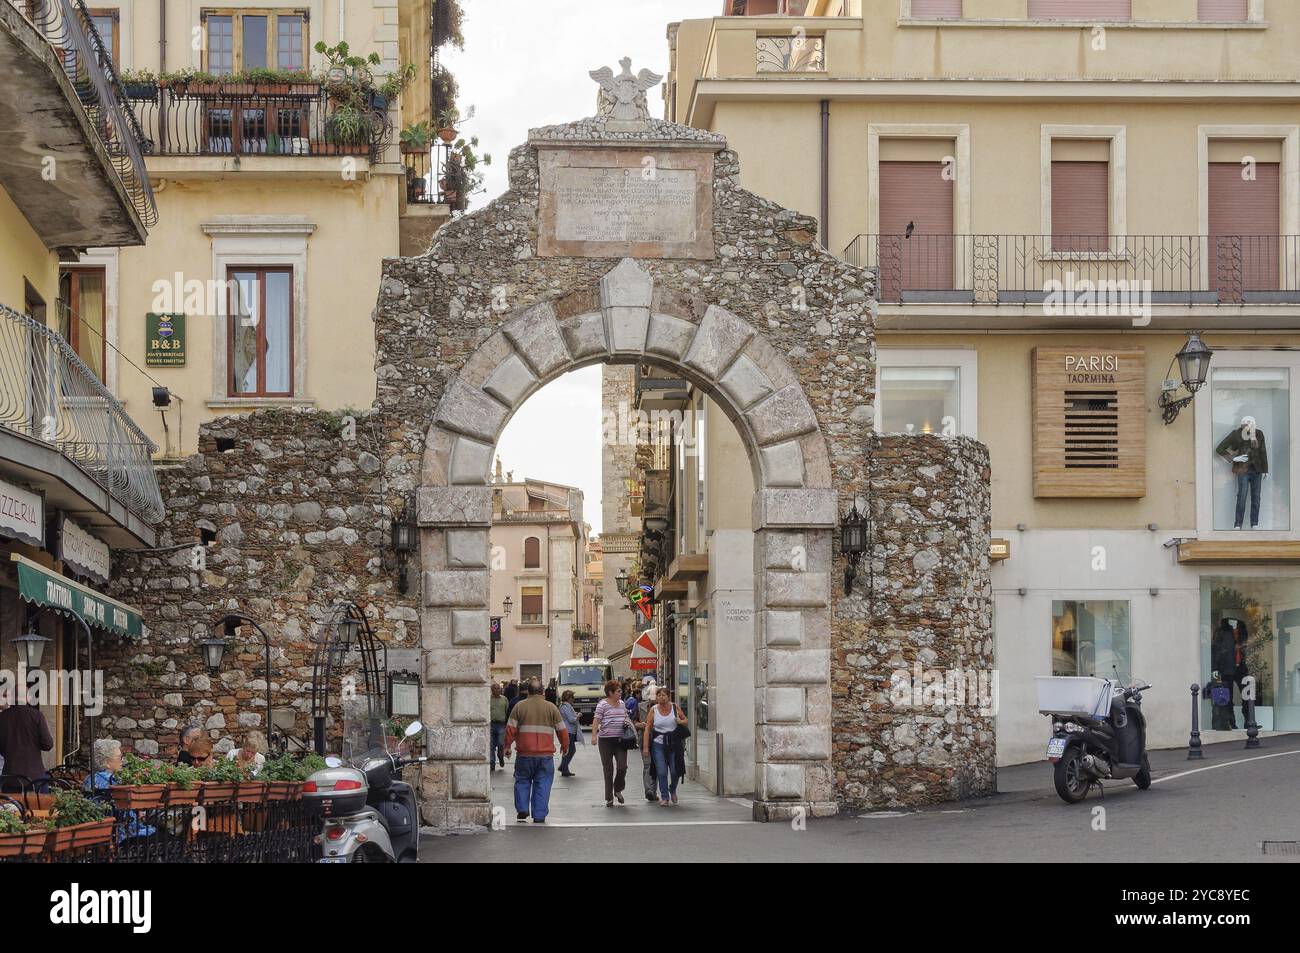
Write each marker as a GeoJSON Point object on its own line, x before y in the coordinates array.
{"type": "Point", "coordinates": [660, 741]}
{"type": "Point", "coordinates": [250, 756]}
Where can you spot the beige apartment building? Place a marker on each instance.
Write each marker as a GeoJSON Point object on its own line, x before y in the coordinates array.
{"type": "Point", "coordinates": [538, 557]}
{"type": "Point", "coordinates": [76, 482]}
{"type": "Point", "coordinates": [281, 185]}
{"type": "Point", "coordinates": [1054, 196]}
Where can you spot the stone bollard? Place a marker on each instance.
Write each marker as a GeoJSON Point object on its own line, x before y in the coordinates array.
{"type": "Point", "coordinates": [1248, 712]}
{"type": "Point", "coordinates": [1194, 752]}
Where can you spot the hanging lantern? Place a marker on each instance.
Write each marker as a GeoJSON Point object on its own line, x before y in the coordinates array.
{"type": "Point", "coordinates": [32, 645]}
{"type": "Point", "coordinates": [853, 543]}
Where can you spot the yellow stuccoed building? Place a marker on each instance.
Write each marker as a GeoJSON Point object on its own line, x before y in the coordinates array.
{"type": "Point", "coordinates": [277, 201]}
{"type": "Point", "coordinates": [1055, 195]}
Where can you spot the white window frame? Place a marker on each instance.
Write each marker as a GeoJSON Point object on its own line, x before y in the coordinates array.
{"type": "Point", "coordinates": [1117, 216]}
{"type": "Point", "coordinates": [1206, 442]}
{"type": "Point", "coordinates": [965, 359]}
{"type": "Point", "coordinates": [270, 241]}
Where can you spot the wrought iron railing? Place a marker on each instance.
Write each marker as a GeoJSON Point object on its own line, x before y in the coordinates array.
{"type": "Point", "coordinates": [1028, 269]}
{"type": "Point", "coordinates": [424, 174]}
{"type": "Point", "coordinates": [49, 395]}
{"type": "Point", "coordinates": [68, 27]}
{"type": "Point", "coordinates": [234, 118]}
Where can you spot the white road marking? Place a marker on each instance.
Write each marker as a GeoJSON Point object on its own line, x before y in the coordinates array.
{"type": "Point", "coordinates": [1224, 764]}
{"type": "Point", "coordinates": [642, 824]}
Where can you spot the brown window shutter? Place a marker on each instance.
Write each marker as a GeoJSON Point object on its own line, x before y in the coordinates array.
{"type": "Point", "coordinates": [1080, 9]}
{"type": "Point", "coordinates": [1089, 419]}
{"type": "Point", "coordinates": [532, 553]}
{"type": "Point", "coordinates": [1223, 10]}
{"type": "Point", "coordinates": [936, 8]}
{"type": "Point", "coordinates": [919, 194]}
{"type": "Point", "coordinates": [1080, 206]}
{"type": "Point", "coordinates": [530, 604]}
{"type": "Point", "coordinates": [1245, 224]}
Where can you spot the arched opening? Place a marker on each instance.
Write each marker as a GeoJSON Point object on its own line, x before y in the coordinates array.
{"type": "Point", "coordinates": [792, 511]}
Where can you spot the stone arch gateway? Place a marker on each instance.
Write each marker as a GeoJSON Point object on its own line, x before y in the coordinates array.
{"type": "Point", "coordinates": [631, 241]}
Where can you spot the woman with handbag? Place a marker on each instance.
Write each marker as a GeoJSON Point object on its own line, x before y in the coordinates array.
{"type": "Point", "coordinates": [615, 733]}
{"type": "Point", "coordinates": [665, 726]}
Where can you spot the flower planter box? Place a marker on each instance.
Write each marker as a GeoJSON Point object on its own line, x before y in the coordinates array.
{"type": "Point", "coordinates": [251, 792]}
{"type": "Point", "coordinates": [20, 845]}
{"type": "Point", "coordinates": [141, 92]}
{"type": "Point", "coordinates": [137, 797]}
{"type": "Point", "coordinates": [179, 795]}
{"type": "Point", "coordinates": [283, 790]}
{"type": "Point", "coordinates": [80, 836]}
{"type": "Point", "coordinates": [319, 148]}
{"type": "Point", "coordinates": [213, 791]}
{"type": "Point", "coordinates": [411, 149]}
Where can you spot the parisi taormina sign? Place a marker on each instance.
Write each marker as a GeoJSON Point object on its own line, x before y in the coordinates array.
{"type": "Point", "coordinates": [1091, 368]}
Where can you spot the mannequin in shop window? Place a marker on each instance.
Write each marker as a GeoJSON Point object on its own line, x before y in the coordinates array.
{"type": "Point", "coordinates": [1244, 449]}
{"type": "Point", "coordinates": [1228, 664]}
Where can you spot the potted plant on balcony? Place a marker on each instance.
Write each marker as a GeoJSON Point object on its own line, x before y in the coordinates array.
{"type": "Point", "coordinates": [183, 784]}
{"type": "Point", "coordinates": [140, 85]}
{"type": "Point", "coordinates": [415, 138]}
{"type": "Point", "coordinates": [142, 784]}
{"type": "Point", "coordinates": [448, 120]}
{"type": "Point", "coordinates": [283, 778]}
{"type": "Point", "coordinates": [17, 836]}
{"type": "Point", "coordinates": [77, 822]}
{"type": "Point", "coordinates": [220, 780]}
{"type": "Point", "coordinates": [461, 174]}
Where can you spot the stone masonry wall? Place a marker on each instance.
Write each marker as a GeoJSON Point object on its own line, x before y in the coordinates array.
{"type": "Point", "coordinates": [906, 731]}
{"type": "Point", "coordinates": [299, 510]}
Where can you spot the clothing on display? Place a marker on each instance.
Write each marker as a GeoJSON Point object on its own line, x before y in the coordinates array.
{"type": "Point", "coordinates": [1246, 451]}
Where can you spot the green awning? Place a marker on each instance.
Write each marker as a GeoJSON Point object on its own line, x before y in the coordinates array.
{"type": "Point", "coordinates": [39, 585]}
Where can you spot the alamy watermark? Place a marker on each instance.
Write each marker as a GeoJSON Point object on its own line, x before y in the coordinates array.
{"type": "Point", "coordinates": [945, 688]}
{"type": "Point", "coordinates": [76, 687]}
{"type": "Point", "coordinates": [1103, 298]}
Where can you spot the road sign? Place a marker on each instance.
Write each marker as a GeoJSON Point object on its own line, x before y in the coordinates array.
{"type": "Point", "coordinates": [644, 654]}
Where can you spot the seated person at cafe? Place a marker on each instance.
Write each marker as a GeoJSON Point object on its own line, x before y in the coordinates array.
{"type": "Point", "coordinates": [250, 756]}
{"type": "Point", "coordinates": [107, 765]}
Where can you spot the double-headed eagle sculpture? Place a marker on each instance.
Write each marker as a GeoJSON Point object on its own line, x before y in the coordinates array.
{"type": "Point", "coordinates": [622, 97]}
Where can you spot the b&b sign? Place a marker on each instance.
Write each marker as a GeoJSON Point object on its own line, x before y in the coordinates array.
{"type": "Point", "coordinates": [164, 336]}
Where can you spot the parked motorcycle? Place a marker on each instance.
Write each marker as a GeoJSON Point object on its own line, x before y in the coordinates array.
{"type": "Point", "coordinates": [1102, 739]}
{"type": "Point", "coordinates": [368, 812]}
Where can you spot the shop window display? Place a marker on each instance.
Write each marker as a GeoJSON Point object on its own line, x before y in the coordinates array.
{"type": "Point", "coordinates": [1251, 627]}
{"type": "Point", "coordinates": [1091, 639]}
{"type": "Point", "coordinates": [1251, 430]}
{"type": "Point", "coordinates": [921, 400]}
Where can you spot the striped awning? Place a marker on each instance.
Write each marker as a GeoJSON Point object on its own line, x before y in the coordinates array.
{"type": "Point", "coordinates": [43, 587]}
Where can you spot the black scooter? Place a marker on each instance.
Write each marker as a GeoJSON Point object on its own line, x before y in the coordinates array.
{"type": "Point", "coordinates": [1088, 750]}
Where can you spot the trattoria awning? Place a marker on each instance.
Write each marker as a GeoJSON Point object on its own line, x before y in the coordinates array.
{"type": "Point", "coordinates": [43, 587]}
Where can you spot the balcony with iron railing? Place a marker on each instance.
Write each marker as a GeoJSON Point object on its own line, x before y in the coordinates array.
{"type": "Point", "coordinates": [999, 271]}
{"type": "Point", "coordinates": [51, 402]}
{"type": "Point", "coordinates": [79, 53]}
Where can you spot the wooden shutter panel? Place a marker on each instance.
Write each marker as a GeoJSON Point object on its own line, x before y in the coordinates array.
{"type": "Point", "coordinates": [1080, 206]}
{"type": "Point", "coordinates": [1080, 9]}
{"type": "Point", "coordinates": [1223, 10]}
{"type": "Point", "coordinates": [1245, 224]}
{"type": "Point", "coordinates": [1089, 422]}
{"type": "Point", "coordinates": [532, 553]}
{"type": "Point", "coordinates": [917, 193]}
{"type": "Point", "coordinates": [530, 604]}
{"type": "Point", "coordinates": [936, 8]}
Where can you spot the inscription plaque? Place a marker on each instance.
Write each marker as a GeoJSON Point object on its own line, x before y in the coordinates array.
{"type": "Point", "coordinates": [624, 205]}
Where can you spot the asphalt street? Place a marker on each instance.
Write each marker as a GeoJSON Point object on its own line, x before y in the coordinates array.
{"type": "Point", "coordinates": [1222, 809]}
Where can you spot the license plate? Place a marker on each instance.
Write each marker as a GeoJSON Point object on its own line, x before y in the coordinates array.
{"type": "Point", "coordinates": [333, 860]}
{"type": "Point", "coordinates": [1056, 747]}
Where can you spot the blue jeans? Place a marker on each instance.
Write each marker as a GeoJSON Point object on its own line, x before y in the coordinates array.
{"type": "Point", "coordinates": [1248, 483]}
{"type": "Point", "coordinates": [572, 750]}
{"type": "Point", "coordinates": [496, 753]}
{"type": "Point", "coordinates": [533, 777]}
{"type": "Point", "coordinates": [663, 769]}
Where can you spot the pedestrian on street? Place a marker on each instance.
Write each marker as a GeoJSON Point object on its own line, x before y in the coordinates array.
{"type": "Point", "coordinates": [551, 692]}
{"type": "Point", "coordinates": [24, 734]}
{"type": "Point", "coordinates": [520, 694]}
{"type": "Point", "coordinates": [512, 689]}
{"type": "Point", "coordinates": [570, 716]}
{"type": "Point", "coordinates": [530, 726]}
{"type": "Point", "coordinates": [661, 742]}
{"type": "Point", "coordinates": [607, 727]}
{"type": "Point", "coordinates": [499, 710]}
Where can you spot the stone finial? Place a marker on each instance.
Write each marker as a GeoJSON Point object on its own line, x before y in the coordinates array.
{"type": "Point", "coordinates": [622, 97]}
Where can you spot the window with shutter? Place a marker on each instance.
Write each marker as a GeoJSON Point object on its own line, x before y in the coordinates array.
{"type": "Point", "coordinates": [1245, 224]}
{"type": "Point", "coordinates": [1089, 422]}
{"type": "Point", "coordinates": [1080, 9]}
{"type": "Point", "coordinates": [937, 8]}
{"type": "Point", "coordinates": [532, 553]}
{"type": "Point", "coordinates": [1080, 206]}
{"type": "Point", "coordinates": [917, 194]}
{"type": "Point", "coordinates": [1223, 11]}
{"type": "Point", "coordinates": [530, 605]}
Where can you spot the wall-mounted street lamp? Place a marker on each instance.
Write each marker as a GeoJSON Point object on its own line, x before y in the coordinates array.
{"type": "Point", "coordinates": [1193, 367]}
{"type": "Point", "coordinates": [405, 534]}
{"type": "Point", "coordinates": [853, 543]}
{"type": "Point", "coordinates": [32, 647]}
{"type": "Point", "coordinates": [506, 605]}
{"type": "Point", "coordinates": [621, 581]}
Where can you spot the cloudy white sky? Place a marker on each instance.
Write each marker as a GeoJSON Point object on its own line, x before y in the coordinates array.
{"type": "Point", "coordinates": [525, 64]}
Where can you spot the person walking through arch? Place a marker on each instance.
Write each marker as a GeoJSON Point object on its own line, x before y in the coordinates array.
{"type": "Point", "coordinates": [531, 725]}
{"type": "Point", "coordinates": [663, 743]}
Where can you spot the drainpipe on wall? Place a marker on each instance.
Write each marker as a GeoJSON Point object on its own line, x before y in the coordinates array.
{"type": "Point", "coordinates": [162, 36]}
{"type": "Point", "coordinates": [343, 13]}
{"type": "Point", "coordinates": [826, 173]}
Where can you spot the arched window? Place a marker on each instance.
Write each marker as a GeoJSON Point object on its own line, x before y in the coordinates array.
{"type": "Point", "coordinates": [532, 553]}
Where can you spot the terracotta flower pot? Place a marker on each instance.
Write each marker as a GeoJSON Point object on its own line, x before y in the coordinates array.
{"type": "Point", "coordinates": [136, 797]}
{"type": "Point", "coordinates": [212, 791]}
{"type": "Point", "coordinates": [80, 836]}
{"type": "Point", "coordinates": [179, 795]}
{"type": "Point", "coordinates": [447, 134]}
{"type": "Point", "coordinates": [251, 792]}
{"type": "Point", "coordinates": [20, 845]}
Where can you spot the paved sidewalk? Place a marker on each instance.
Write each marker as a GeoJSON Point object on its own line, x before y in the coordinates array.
{"type": "Point", "coordinates": [580, 801]}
